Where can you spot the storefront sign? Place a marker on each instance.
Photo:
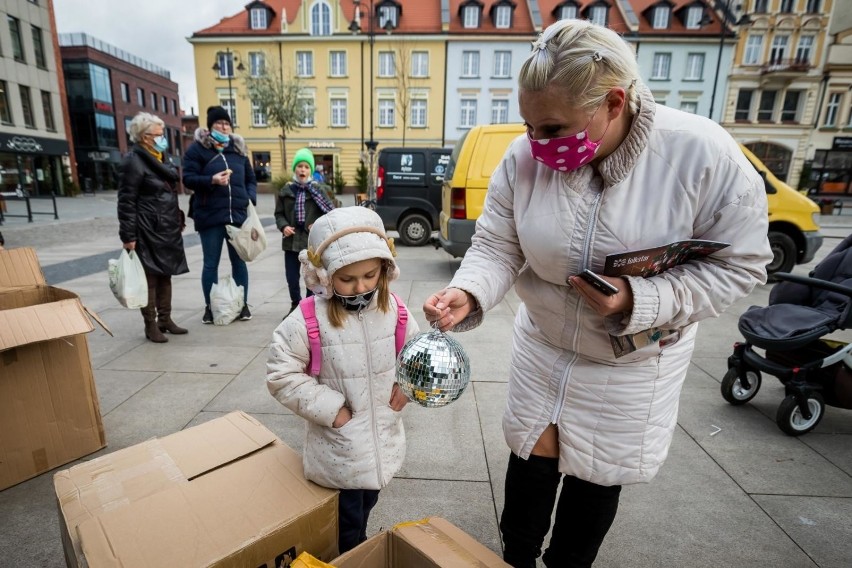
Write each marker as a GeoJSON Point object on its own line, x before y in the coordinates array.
{"type": "Point", "coordinates": [32, 145]}
{"type": "Point", "coordinates": [320, 144]}
{"type": "Point", "coordinates": [842, 143]}
{"type": "Point", "coordinates": [23, 144]}
{"type": "Point", "coordinates": [103, 107]}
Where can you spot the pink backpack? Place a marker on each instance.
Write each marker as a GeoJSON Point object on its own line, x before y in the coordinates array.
{"type": "Point", "coordinates": [309, 312]}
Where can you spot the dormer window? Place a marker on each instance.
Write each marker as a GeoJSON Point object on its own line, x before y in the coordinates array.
{"type": "Point", "coordinates": [567, 11]}
{"type": "Point", "coordinates": [598, 13]}
{"type": "Point", "coordinates": [501, 12]}
{"type": "Point", "coordinates": [259, 18]}
{"type": "Point", "coordinates": [321, 18]}
{"type": "Point", "coordinates": [662, 14]}
{"type": "Point", "coordinates": [389, 13]}
{"type": "Point", "coordinates": [693, 17]}
{"type": "Point", "coordinates": [471, 14]}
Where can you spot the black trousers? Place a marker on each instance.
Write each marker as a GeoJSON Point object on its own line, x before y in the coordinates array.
{"type": "Point", "coordinates": [584, 515]}
{"type": "Point", "coordinates": [291, 272]}
{"type": "Point", "coordinates": [353, 511]}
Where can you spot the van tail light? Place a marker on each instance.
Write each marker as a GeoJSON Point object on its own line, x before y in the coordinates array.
{"type": "Point", "coordinates": [458, 209]}
{"type": "Point", "coordinates": [380, 184]}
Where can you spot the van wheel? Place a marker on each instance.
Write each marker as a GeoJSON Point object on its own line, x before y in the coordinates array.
{"type": "Point", "coordinates": [783, 254]}
{"type": "Point", "coordinates": [415, 230]}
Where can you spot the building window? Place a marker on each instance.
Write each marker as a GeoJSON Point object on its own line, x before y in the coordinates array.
{"type": "Point", "coordinates": [154, 105]}
{"type": "Point", "coordinates": [778, 52]}
{"type": "Point", "coordinates": [387, 15]}
{"type": "Point", "coordinates": [766, 108]}
{"type": "Point", "coordinates": [499, 111]}
{"type": "Point", "coordinates": [803, 52]}
{"type": "Point", "coordinates": [5, 111]}
{"type": "Point", "coordinates": [174, 107]}
{"type": "Point", "coordinates": [693, 17]}
{"type": "Point", "coordinates": [597, 14]}
{"type": "Point", "coordinates": [661, 17]}
{"type": "Point", "coordinates": [503, 17]}
{"type": "Point", "coordinates": [662, 64]}
{"type": "Point", "coordinates": [38, 48]}
{"type": "Point", "coordinates": [258, 18]}
{"type": "Point", "coordinates": [338, 112]}
{"type": "Point", "coordinates": [320, 19]}
{"type": "Point", "coordinates": [761, 6]}
{"type": "Point", "coordinates": [468, 113]}
{"type": "Point", "coordinates": [743, 110]}
{"type": "Point", "coordinates": [786, 6]}
{"type": "Point", "coordinates": [308, 112]}
{"type": "Point", "coordinates": [386, 64]}
{"type": "Point", "coordinates": [812, 6]}
{"type": "Point", "coordinates": [226, 65]}
{"type": "Point", "coordinates": [140, 97]}
{"type": "Point", "coordinates": [689, 106]}
{"type": "Point", "coordinates": [17, 40]}
{"type": "Point", "coordinates": [694, 67]}
{"type": "Point", "coordinates": [337, 63]}
{"type": "Point", "coordinates": [832, 109]}
{"type": "Point", "coordinates": [230, 105]}
{"type": "Point", "coordinates": [419, 63]}
{"type": "Point", "coordinates": [470, 17]}
{"type": "Point", "coordinates": [257, 63]}
{"type": "Point", "coordinates": [502, 63]}
{"type": "Point", "coordinates": [470, 64]}
{"type": "Point", "coordinates": [101, 86]}
{"type": "Point", "coordinates": [418, 113]}
{"type": "Point", "coordinates": [568, 11]}
{"type": "Point", "coordinates": [27, 106]}
{"type": "Point", "coordinates": [125, 92]}
{"type": "Point", "coordinates": [386, 113]}
{"type": "Point", "coordinates": [305, 63]}
{"type": "Point", "coordinates": [753, 49]}
{"type": "Point", "coordinates": [790, 109]}
{"type": "Point", "coordinates": [47, 108]}
{"type": "Point", "coordinates": [258, 116]}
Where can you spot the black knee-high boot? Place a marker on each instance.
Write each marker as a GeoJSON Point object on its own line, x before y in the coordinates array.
{"type": "Point", "coordinates": [583, 517]}
{"type": "Point", "coordinates": [530, 495]}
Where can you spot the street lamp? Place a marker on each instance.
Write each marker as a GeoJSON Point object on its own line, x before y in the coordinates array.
{"type": "Point", "coordinates": [744, 19]}
{"type": "Point", "coordinates": [229, 67]}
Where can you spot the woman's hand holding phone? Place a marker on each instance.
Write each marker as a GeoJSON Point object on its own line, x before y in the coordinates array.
{"type": "Point", "coordinates": [607, 295]}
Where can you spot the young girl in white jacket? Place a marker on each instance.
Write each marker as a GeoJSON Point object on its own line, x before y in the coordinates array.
{"type": "Point", "coordinates": [355, 440]}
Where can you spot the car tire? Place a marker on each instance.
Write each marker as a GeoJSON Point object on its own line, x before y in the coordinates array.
{"type": "Point", "coordinates": [783, 254]}
{"type": "Point", "coordinates": [415, 230]}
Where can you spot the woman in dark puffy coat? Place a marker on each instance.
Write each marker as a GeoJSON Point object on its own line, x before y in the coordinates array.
{"type": "Point", "coordinates": [150, 221]}
{"type": "Point", "coordinates": [216, 167]}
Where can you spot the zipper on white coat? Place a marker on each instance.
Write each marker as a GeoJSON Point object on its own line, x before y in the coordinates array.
{"type": "Point", "coordinates": [372, 402]}
{"type": "Point", "coordinates": [584, 261]}
{"type": "Point", "coordinates": [230, 200]}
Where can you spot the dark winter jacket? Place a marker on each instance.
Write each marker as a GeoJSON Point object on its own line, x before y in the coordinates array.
{"type": "Point", "coordinates": [214, 205]}
{"type": "Point", "coordinates": [285, 216]}
{"type": "Point", "coordinates": [148, 211]}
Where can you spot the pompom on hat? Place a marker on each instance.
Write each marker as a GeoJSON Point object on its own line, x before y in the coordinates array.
{"type": "Point", "coordinates": [342, 237]}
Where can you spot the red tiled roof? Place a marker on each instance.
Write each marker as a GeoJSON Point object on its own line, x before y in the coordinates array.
{"type": "Point", "coordinates": [615, 19]}
{"type": "Point", "coordinates": [676, 26]}
{"type": "Point", "coordinates": [521, 20]}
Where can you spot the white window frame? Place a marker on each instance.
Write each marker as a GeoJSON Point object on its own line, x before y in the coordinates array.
{"type": "Point", "coordinates": [797, 113]}
{"type": "Point", "coordinates": [417, 115]}
{"type": "Point", "coordinates": [470, 17]}
{"type": "Point", "coordinates": [568, 11]}
{"type": "Point", "coordinates": [499, 111]}
{"type": "Point", "coordinates": [693, 17]}
{"type": "Point", "coordinates": [339, 110]}
{"type": "Point", "coordinates": [753, 49]}
{"type": "Point", "coordinates": [661, 70]}
{"type": "Point", "coordinates": [419, 64]}
{"type": "Point", "coordinates": [778, 52]}
{"type": "Point", "coordinates": [320, 18]}
{"type": "Point", "coordinates": [337, 63]}
{"type": "Point", "coordinates": [388, 13]}
{"type": "Point", "coordinates": [470, 64]}
{"type": "Point", "coordinates": [502, 64]}
{"type": "Point", "coordinates": [832, 110]}
{"type": "Point", "coordinates": [503, 17]}
{"type": "Point", "coordinates": [309, 119]}
{"type": "Point", "coordinates": [689, 106]}
{"type": "Point", "coordinates": [259, 19]}
{"type": "Point", "coordinates": [662, 16]}
{"type": "Point", "coordinates": [387, 64]}
{"type": "Point", "coordinates": [597, 15]}
{"type": "Point", "coordinates": [805, 49]}
{"type": "Point", "coordinates": [257, 63]}
{"type": "Point", "coordinates": [229, 103]}
{"type": "Point", "coordinates": [125, 92]}
{"type": "Point", "coordinates": [304, 63]}
{"type": "Point", "coordinates": [694, 67]}
{"type": "Point", "coordinates": [258, 117]}
{"type": "Point", "coordinates": [467, 113]}
{"type": "Point", "coordinates": [226, 65]}
{"type": "Point", "coordinates": [387, 113]}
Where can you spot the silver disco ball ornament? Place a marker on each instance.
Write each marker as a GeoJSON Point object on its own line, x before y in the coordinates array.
{"type": "Point", "coordinates": [432, 369]}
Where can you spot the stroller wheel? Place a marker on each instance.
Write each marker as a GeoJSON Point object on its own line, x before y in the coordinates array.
{"type": "Point", "coordinates": [733, 389]}
{"type": "Point", "coordinates": [790, 419]}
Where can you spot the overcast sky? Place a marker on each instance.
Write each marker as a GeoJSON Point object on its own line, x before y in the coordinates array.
{"type": "Point", "coordinates": [155, 30]}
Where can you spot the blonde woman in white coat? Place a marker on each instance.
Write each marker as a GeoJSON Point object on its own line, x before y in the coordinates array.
{"type": "Point", "coordinates": [354, 440]}
{"type": "Point", "coordinates": [602, 170]}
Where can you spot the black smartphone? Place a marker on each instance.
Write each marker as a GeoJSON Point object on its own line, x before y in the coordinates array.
{"type": "Point", "coordinates": [598, 282]}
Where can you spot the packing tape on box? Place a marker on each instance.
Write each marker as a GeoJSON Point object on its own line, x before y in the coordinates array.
{"type": "Point", "coordinates": [445, 540]}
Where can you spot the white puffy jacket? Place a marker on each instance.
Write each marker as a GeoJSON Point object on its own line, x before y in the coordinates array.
{"type": "Point", "coordinates": [676, 176]}
{"type": "Point", "coordinates": [358, 370]}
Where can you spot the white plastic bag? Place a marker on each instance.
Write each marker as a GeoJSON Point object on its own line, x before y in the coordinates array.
{"type": "Point", "coordinates": [226, 300]}
{"type": "Point", "coordinates": [241, 238]}
{"type": "Point", "coordinates": [127, 280]}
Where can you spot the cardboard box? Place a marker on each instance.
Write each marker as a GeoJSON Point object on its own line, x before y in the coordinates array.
{"type": "Point", "coordinates": [226, 493]}
{"type": "Point", "coordinates": [49, 409]}
{"type": "Point", "coordinates": [430, 543]}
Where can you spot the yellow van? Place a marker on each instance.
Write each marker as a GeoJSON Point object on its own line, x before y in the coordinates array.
{"type": "Point", "coordinates": [793, 218]}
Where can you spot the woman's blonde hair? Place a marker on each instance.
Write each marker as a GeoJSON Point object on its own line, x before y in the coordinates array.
{"type": "Point", "coordinates": [337, 313]}
{"type": "Point", "coordinates": [585, 59]}
{"type": "Point", "coordinates": [141, 123]}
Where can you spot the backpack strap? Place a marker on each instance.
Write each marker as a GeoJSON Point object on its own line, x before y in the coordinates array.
{"type": "Point", "coordinates": [401, 322]}
{"type": "Point", "coordinates": [310, 314]}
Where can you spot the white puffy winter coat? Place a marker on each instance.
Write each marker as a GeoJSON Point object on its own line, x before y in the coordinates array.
{"type": "Point", "coordinates": [676, 176]}
{"type": "Point", "coordinates": [358, 370]}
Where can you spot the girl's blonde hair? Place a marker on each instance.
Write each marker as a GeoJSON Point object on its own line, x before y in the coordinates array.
{"type": "Point", "coordinates": [337, 313]}
{"type": "Point", "coordinates": [585, 59]}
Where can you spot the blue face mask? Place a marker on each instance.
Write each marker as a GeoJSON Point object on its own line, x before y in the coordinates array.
{"type": "Point", "coordinates": [161, 144]}
{"type": "Point", "coordinates": [219, 137]}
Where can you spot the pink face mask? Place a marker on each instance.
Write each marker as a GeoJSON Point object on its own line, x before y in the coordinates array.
{"type": "Point", "coordinates": [567, 153]}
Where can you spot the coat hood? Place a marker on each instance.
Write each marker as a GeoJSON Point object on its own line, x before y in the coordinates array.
{"type": "Point", "coordinates": [202, 136]}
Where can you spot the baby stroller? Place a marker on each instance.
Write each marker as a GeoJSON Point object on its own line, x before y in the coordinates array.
{"type": "Point", "coordinates": [813, 370]}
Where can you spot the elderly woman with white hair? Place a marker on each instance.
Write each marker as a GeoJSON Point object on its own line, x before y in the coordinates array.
{"type": "Point", "coordinates": [150, 221]}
